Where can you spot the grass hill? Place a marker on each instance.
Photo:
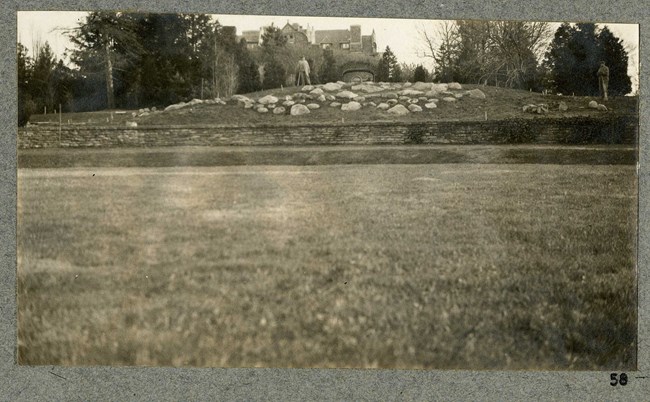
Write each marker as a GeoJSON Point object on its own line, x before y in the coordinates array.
{"type": "Point", "coordinates": [499, 104]}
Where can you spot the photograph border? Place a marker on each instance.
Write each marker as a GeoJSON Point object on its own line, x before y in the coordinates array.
{"type": "Point", "coordinates": [129, 383]}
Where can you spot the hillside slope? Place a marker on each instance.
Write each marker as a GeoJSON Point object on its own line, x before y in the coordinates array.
{"type": "Point", "coordinates": [452, 103]}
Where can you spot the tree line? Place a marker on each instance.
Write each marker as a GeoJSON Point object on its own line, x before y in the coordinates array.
{"type": "Point", "coordinates": [135, 60]}
{"type": "Point", "coordinates": [517, 54]}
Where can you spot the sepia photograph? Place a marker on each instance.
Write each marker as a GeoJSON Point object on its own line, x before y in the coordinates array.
{"type": "Point", "coordinates": [238, 191]}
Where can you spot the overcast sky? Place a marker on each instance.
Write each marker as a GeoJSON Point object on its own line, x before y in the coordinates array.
{"type": "Point", "coordinates": [400, 34]}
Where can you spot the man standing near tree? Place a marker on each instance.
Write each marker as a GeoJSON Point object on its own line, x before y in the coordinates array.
{"type": "Point", "coordinates": [303, 72]}
{"type": "Point", "coordinates": [603, 80]}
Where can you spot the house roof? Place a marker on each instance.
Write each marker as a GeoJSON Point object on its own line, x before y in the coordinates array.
{"type": "Point", "coordinates": [251, 36]}
{"type": "Point", "coordinates": [333, 36]}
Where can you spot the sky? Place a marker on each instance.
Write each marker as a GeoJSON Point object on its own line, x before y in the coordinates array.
{"type": "Point", "coordinates": [400, 34]}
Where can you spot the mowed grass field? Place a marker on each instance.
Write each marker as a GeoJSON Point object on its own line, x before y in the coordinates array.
{"type": "Point", "coordinates": [383, 266]}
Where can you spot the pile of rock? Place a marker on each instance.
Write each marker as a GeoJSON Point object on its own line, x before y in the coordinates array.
{"type": "Point", "coordinates": [394, 98]}
{"type": "Point", "coordinates": [532, 108]}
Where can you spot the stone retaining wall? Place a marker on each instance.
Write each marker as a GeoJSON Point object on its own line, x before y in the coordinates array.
{"type": "Point", "coordinates": [609, 130]}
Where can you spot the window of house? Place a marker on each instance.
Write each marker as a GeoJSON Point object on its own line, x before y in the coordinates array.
{"type": "Point", "coordinates": [345, 45]}
{"type": "Point", "coordinates": [326, 45]}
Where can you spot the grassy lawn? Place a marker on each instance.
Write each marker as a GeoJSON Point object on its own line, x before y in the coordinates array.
{"type": "Point", "coordinates": [399, 266]}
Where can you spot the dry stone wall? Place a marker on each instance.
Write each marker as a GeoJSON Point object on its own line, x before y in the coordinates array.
{"type": "Point", "coordinates": [614, 130]}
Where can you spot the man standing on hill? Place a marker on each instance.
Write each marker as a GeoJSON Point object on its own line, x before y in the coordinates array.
{"type": "Point", "coordinates": [303, 72]}
{"type": "Point", "coordinates": [603, 80]}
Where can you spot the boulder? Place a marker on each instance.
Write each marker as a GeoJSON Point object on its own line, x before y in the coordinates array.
{"type": "Point", "coordinates": [391, 102]}
{"type": "Point", "coordinates": [313, 106]}
{"type": "Point", "coordinates": [195, 102]}
{"type": "Point", "coordinates": [175, 106]}
{"type": "Point", "coordinates": [539, 109]}
{"type": "Point", "coordinates": [421, 86]}
{"type": "Point", "coordinates": [279, 110]}
{"type": "Point", "coordinates": [563, 107]}
{"type": "Point", "coordinates": [288, 103]}
{"type": "Point", "coordinates": [410, 92]}
{"type": "Point", "coordinates": [359, 99]}
{"type": "Point", "coordinates": [476, 94]}
{"type": "Point", "coordinates": [398, 110]}
{"type": "Point", "coordinates": [268, 99]}
{"type": "Point", "coordinates": [241, 98]}
{"type": "Point", "coordinates": [307, 88]}
{"type": "Point", "coordinates": [248, 105]}
{"type": "Point", "coordinates": [459, 95]}
{"type": "Point", "coordinates": [321, 98]}
{"type": "Point", "coordinates": [389, 95]}
{"type": "Point", "coordinates": [407, 84]}
{"type": "Point", "coordinates": [262, 109]}
{"type": "Point", "coordinates": [316, 91]}
{"type": "Point", "coordinates": [373, 104]}
{"type": "Point", "coordinates": [404, 98]}
{"type": "Point", "coordinates": [346, 95]}
{"type": "Point", "coordinates": [299, 109]}
{"type": "Point", "coordinates": [449, 99]}
{"type": "Point", "coordinates": [131, 124]}
{"type": "Point", "coordinates": [602, 108]}
{"type": "Point", "coordinates": [367, 88]}
{"type": "Point", "coordinates": [414, 100]}
{"type": "Point", "coordinates": [415, 108]}
{"type": "Point", "coordinates": [593, 104]}
{"type": "Point", "coordinates": [423, 98]}
{"type": "Point", "coordinates": [335, 104]}
{"type": "Point", "coordinates": [332, 86]}
{"type": "Point", "coordinates": [153, 109]}
{"type": "Point", "coordinates": [383, 106]}
{"type": "Point", "coordinates": [330, 98]}
{"type": "Point", "coordinates": [454, 85]}
{"type": "Point", "coordinates": [439, 88]}
{"type": "Point", "coordinates": [430, 105]}
{"type": "Point", "coordinates": [350, 106]}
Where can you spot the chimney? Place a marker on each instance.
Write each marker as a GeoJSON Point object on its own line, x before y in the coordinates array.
{"type": "Point", "coordinates": [355, 38]}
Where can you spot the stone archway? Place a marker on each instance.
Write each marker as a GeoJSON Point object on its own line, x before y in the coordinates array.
{"type": "Point", "coordinates": [358, 75]}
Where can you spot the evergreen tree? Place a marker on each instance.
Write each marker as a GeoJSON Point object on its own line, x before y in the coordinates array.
{"type": "Point", "coordinates": [615, 56]}
{"type": "Point", "coordinates": [249, 76]}
{"type": "Point", "coordinates": [386, 67]}
{"type": "Point", "coordinates": [396, 73]}
{"type": "Point", "coordinates": [273, 43]}
{"type": "Point", "coordinates": [106, 40]}
{"type": "Point", "coordinates": [420, 74]}
{"type": "Point", "coordinates": [26, 106]}
{"type": "Point", "coordinates": [574, 56]}
{"type": "Point", "coordinates": [274, 74]}
{"type": "Point", "coordinates": [329, 71]}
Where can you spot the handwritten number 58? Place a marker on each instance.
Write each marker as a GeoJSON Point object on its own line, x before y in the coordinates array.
{"type": "Point", "coordinates": [622, 379]}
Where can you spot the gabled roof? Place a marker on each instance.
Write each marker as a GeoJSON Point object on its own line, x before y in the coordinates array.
{"type": "Point", "coordinates": [333, 36]}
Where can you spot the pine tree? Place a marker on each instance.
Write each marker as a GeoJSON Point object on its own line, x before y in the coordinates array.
{"type": "Point", "coordinates": [386, 67]}
{"type": "Point", "coordinates": [420, 74]}
{"type": "Point", "coordinates": [103, 40]}
{"type": "Point", "coordinates": [329, 71]}
{"type": "Point", "coordinates": [274, 74]}
{"type": "Point", "coordinates": [25, 104]}
{"type": "Point", "coordinates": [574, 56]}
{"type": "Point", "coordinates": [613, 53]}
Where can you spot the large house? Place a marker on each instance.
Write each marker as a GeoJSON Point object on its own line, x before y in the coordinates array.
{"type": "Point", "coordinates": [349, 40]}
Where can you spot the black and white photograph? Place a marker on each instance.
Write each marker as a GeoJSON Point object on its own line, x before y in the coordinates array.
{"type": "Point", "coordinates": [264, 191]}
